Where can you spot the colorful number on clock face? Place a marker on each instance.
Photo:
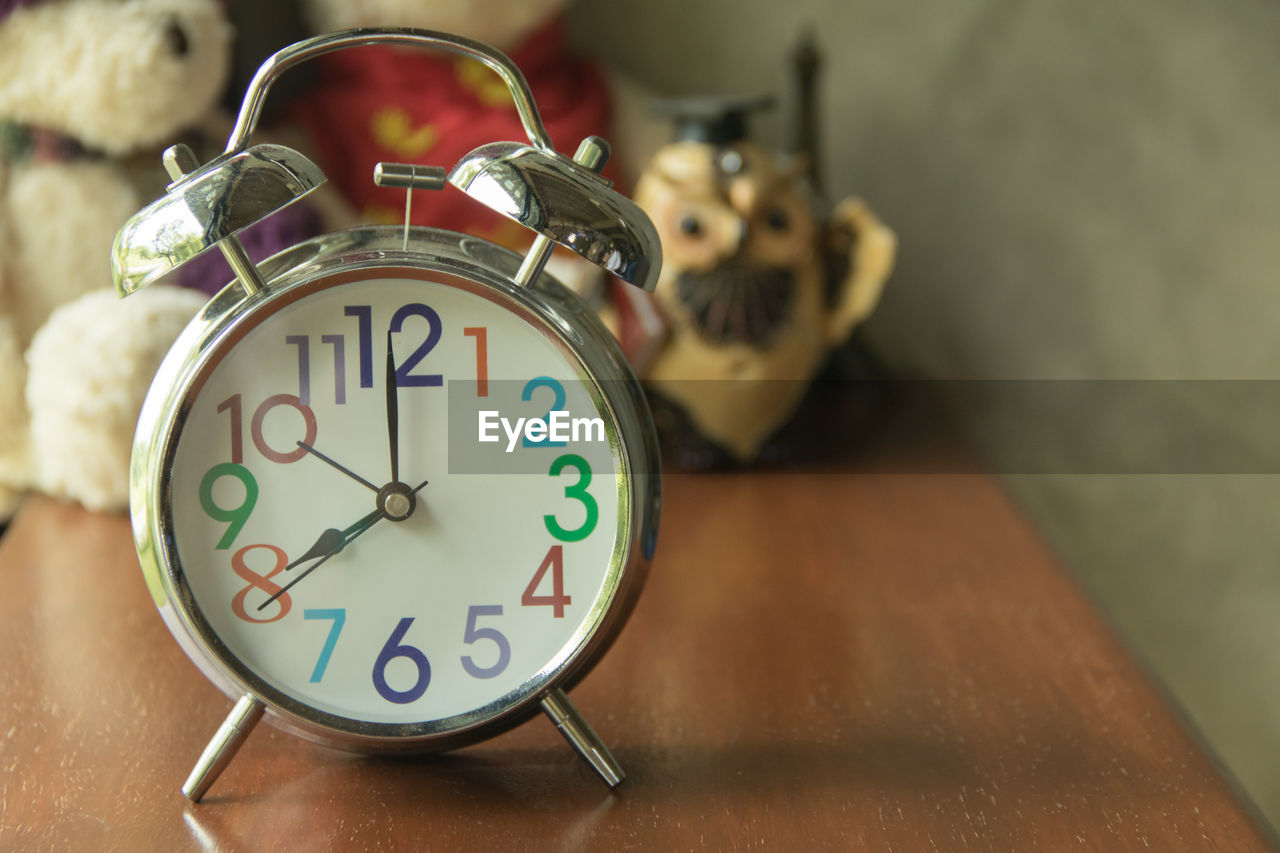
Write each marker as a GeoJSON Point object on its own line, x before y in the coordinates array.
{"type": "Point", "coordinates": [491, 582]}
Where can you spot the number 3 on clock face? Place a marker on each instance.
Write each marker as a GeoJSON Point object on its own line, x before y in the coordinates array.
{"type": "Point", "coordinates": [341, 607]}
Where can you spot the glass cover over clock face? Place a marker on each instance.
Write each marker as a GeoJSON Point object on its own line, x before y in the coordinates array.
{"type": "Point", "coordinates": [435, 595]}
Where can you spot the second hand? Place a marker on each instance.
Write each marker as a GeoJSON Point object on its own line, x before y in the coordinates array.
{"type": "Point", "coordinates": [352, 474]}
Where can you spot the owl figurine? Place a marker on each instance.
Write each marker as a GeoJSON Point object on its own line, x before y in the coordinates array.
{"type": "Point", "coordinates": [757, 285]}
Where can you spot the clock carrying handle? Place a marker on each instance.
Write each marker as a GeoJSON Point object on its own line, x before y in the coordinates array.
{"type": "Point", "coordinates": [563, 200]}
{"type": "Point", "coordinates": [296, 54]}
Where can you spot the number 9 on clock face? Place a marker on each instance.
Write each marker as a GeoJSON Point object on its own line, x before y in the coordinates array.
{"type": "Point", "coordinates": [400, 503]}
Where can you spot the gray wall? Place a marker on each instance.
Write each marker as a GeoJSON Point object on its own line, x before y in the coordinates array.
{"type": "Point", "coordinates": [1082, 191]}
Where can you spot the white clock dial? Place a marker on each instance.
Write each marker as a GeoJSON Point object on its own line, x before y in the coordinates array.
{"type": "Point", "coordinates": [457, 596]}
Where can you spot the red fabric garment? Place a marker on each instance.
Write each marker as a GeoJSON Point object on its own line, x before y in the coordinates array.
{"type": "Point", "coordinates": [416, 106]}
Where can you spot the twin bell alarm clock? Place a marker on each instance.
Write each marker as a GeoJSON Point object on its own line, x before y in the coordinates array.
{"type": "Point", "coordinates": [396, 489]}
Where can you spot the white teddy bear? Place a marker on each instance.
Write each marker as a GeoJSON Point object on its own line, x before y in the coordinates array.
{"type": "Point", "coordinates": [84, 86]}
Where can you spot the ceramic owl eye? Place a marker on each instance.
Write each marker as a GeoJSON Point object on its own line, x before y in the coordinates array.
{"type": "Point", "coordinates": [756, 286]}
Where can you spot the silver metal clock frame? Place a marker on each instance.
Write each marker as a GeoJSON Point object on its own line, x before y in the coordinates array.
{"type": "Point", "coordinates": [369, 253]}
{"type": "Point", "coordinates": [563, 200]}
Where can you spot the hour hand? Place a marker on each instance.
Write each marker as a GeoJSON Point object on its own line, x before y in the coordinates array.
{"type": "Point", "coordinates": [333, 540]}
{"type": "Point", "coordinates": [330, 542]}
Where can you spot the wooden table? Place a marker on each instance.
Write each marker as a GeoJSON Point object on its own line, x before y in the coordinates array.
{"type": "Point", "coordinates": [819, 661]}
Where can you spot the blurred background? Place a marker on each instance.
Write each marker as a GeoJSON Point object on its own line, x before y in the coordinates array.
{"type": "Point", "coordinates": [1087, 200]}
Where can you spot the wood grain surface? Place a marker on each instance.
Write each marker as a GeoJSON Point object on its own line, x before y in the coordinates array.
{"type": "Point", "coordinates": [819, 662]}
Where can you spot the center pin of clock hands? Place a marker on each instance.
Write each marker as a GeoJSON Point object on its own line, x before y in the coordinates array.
{"type": "Point", "coordinates": [332, 541]}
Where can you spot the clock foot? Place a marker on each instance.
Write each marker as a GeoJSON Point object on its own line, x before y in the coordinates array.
{"type": "Point", "coordinates": [218, 754]}
{"type": "Point", "coordinates": [581, 736]}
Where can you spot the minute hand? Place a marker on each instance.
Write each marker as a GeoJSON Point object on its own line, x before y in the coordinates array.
{"type": "Point", "coordinates": [393, 412]}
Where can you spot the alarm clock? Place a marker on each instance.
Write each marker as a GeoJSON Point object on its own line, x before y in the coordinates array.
{"type": "Point", "coordinates": [394, 489]}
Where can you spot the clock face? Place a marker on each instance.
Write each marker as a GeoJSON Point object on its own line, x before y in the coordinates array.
{"type": "Point", "coordinates": [415, 601]}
